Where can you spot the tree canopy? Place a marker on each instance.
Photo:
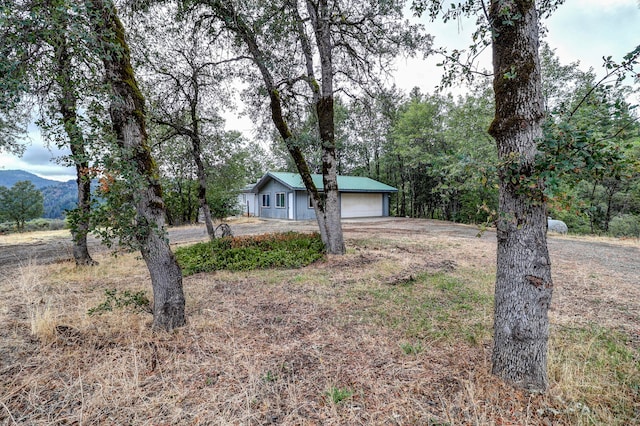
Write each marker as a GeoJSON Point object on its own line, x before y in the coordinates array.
{"type": "Point", "coordinates": [20, 203]}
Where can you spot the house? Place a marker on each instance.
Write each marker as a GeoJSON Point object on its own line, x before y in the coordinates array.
{"type": "Point", "coordinates": [281, 195]}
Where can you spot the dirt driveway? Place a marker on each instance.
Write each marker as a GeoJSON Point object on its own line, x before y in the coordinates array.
{"type": "Point", "coordinates": [597, 277]}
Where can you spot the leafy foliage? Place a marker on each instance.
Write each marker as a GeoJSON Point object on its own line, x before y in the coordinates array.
{"type": "Point", "coordinates": [437, 152]}
{"type": "Point", "coordinates": [137, 301]}
{"type": "Point", "coordinates": [20, 203]}
{"type": "Point", "coordinates": [279, 250]}
{"type": "Point", "coordinates": [589, 156]}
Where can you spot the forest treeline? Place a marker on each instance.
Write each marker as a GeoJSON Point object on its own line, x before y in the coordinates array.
{"type": "Point", "coordinates": [436, 149]}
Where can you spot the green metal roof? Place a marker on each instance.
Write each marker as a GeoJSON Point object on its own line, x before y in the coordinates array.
{"type": "Point", "coordinates": [345, 183]}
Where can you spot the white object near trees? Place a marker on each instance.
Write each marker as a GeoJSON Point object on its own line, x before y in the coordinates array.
{"type": "Point", "coordinates": [557, 226]}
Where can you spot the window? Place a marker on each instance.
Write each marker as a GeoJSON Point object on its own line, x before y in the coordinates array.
{"type": "Point", "coordinates": [279, 200]}
{"type": "Point", "coordinates": [265, 200]}
{"type": "Point", "coordinates": [310, 204]}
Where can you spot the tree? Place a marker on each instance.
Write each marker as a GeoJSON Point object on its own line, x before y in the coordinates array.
{"type": "Point", "coordinates": [14, 113]}
{"type": "Point", "coordinates": [44, 57]}
{"type": "Point", "coordinates": [13, 125]}
{"type": "Point", "coordinates": [523, 277]}
{"type": "Point", "coordinates": [127, 112]}
{"type": "Point", "coordinates": [284, 39]}
{"type": "Point", "coordinates": [588, 157]}
{"type": "Point", "coordinates": [67, 107]}
{"type": "Point", "coordinates": [237, 22]}
{"type": "Point", "coordinates": [185, 87]}
{"type": "Point", "coordinates": [20, 203]}
{"type": "Point", "coordinates": [230, 162]}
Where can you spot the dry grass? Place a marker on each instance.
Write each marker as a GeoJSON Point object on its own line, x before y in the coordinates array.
{"type": "Point", "coordinates": [272, 347]}
{"type": "Point", "coordinates": [33, 237]}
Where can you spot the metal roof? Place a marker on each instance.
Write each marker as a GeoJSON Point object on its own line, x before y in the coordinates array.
{"type": "Point", "coordinates": [345, 183]}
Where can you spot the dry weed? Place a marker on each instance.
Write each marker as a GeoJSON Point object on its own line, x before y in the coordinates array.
{"type": "Point", "coordinates": [33, 237]}
{"type": "Point", "coordinates": [268, 347]}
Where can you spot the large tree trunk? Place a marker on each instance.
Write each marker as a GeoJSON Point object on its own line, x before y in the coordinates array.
{"type": "Point", "coordinates": [523, 280]}
{"type": "Point", "coordinates": [202, 187]}
{"type": "Point", "coordinates": [128, 117]}
{"type": "Point", "coordinates": [68, 109]}
{"type": "Point", "coordinates": [320, 18]}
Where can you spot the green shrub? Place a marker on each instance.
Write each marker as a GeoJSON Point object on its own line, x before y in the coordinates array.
{"type": "Point", "coordinates": [57, 224]}
{"type": "Point", "coordinates": [626, 225]}
{"type": "Point", "coordinates": [37, 225]}
{"type": "Point", "coordinates": [279, 250]}
{"type": "Point", "coordinates": [7, 228]}
{"type": "Point", "coordinates": [126, 299]}
{"type": "Point", "coordinates": [40, 224]}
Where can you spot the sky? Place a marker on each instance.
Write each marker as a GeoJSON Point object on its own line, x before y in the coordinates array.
{"type": "Point", "coordinates": [580, 30]}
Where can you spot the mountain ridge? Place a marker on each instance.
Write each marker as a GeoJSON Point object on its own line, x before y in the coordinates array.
{"type": "Point", "coordinates": [8, 178]}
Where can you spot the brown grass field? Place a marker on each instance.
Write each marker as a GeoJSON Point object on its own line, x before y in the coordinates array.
{"type": "Point", "coordinates": [397, 332]}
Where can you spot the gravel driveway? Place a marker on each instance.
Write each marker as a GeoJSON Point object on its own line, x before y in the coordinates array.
{"type": "Point", "coordinates": [621, 258]}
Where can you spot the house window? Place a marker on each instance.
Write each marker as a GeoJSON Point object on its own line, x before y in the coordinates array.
{"type": "Point", "coordinates": [310, 204]}
{"type": "Point", "coordinates": [265, 200]}
{"type": "Point", "coordinates": [280, 200]}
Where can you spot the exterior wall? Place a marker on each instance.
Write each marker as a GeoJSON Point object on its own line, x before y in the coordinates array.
{"type": "Point", "coordinates": [272, 188]}
{"type": "Point", "coordinates": [303, 212]}
{"type": "Point", "coordinates": [248, 204]}
{"type": "Point", "coordinates": [386, 202]}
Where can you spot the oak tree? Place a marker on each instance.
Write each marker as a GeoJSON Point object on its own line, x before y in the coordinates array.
{"type": "Point", "coordinates": [46, 59]}
{"type": "Point", "coordinates": [127, 111]}
{"type": "Point", "coordinates": [523, 277]}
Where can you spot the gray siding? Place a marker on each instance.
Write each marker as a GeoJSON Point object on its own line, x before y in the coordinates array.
{"type": "Point", "coordinates": [386, 200]}
{"type": "Point", "coordinates": [272, 188]}
{"type": "Point", "coordinates": [303, 212]}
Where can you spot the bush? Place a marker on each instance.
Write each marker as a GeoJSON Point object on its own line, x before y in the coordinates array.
{"type": "Point", "coordinates": [279, 250]}
{"type": "Point", "coordinates": [626, 225]}
{"type": "Point", "coordinates": [137, 302]}
{"type": "Point", "coordinates": [45, 225]}
{"type": "Point", "coordinates": [57, 224]}
{"type": "Point", "coordinates": [34, 225]}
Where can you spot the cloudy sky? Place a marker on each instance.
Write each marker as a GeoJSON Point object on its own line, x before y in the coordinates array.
{"type": "Point", "coordinates": [580, 30]}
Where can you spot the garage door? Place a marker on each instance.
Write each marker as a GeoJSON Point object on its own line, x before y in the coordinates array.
{"type": "Point", "coordinates": [361, 205]}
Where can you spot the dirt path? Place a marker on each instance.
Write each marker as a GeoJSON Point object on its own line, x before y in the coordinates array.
{"type": "Point", "coordinates": [598, 277]}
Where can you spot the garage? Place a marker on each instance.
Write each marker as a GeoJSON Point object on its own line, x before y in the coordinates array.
{"type": "Point", "coordinates": [361, 204]}
{"type": "Point", "coordinates": [283, 195]}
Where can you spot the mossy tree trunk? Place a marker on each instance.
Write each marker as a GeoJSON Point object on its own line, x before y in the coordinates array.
{"type": "Point", "coordinates": [523, 279]}
{"type": "Point", "coordinates": [128, 117]}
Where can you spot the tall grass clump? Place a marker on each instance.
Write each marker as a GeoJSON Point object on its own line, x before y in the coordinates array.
{"type": "Point", "coordinates": [39, 310]}
{"type": "Point", "coordinates": [597, 372]}
{"type": "Point", "coordinates": [278, 250]}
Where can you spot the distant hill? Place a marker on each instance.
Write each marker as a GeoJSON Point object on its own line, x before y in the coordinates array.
{"type": "Point", "coordinates": [58, 196]}
{"type": "Point", "coordinates": [8, 178]}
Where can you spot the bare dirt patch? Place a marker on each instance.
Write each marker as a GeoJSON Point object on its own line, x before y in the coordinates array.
{"type": "Point", "coordinates": [402, 322]}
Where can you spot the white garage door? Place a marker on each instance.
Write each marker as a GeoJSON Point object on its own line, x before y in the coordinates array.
{"type": "Point", "coordinates": [361, 205]}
